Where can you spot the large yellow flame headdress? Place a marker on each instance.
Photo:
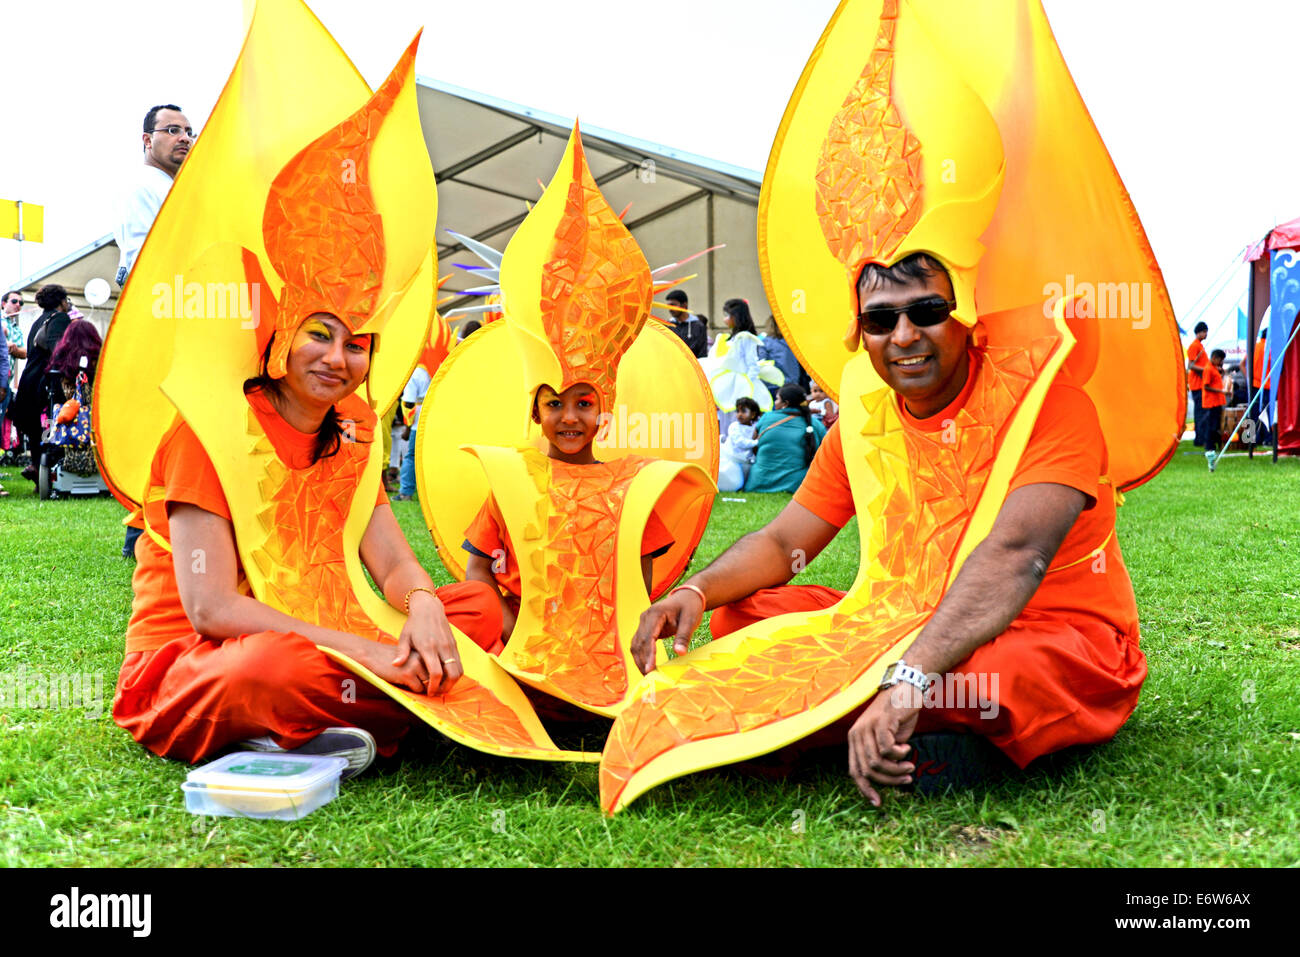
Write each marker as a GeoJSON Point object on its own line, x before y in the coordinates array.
{"type": "Point", "coordinates": [576, 289]}
{"type": "Point", "coordinates": [911, 163]}
{"type": "Point", "coordinates": [324, 233]}
{"type": "Point", "coordinates": [304, 221]}
{"type": "Point", "coordinates": [958, 132]}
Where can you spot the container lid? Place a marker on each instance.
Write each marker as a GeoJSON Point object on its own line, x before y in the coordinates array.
{"type": "Point", "coordinates": [257, 771]}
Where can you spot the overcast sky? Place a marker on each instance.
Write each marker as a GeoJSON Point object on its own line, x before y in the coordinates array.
{"type": "Point", "coordinates": [1195, 100]}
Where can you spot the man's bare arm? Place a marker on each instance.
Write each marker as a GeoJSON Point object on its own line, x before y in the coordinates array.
{"type": "Point", "coordinates": [761, 559]}
{"type": "Point", "coordinates": [999, 577]}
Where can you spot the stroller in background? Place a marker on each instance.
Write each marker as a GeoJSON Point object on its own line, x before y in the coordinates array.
{"type": "Point", "coordinates": [68, 465]}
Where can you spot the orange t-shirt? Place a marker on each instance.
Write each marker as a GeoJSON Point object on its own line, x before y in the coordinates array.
{"type": "Point", "coordinates": [1066, 447]}
{"type": "Point", "coordinates": [1260, 363]}
{"type": "Point", "coordinates": [1213, 380]}
{"type": "Point", "coordinates": [1197, 357]}
{"type": "Point", "coordinates": [487, 537]}
{"type": "Point", "coordinates": [183, 473]}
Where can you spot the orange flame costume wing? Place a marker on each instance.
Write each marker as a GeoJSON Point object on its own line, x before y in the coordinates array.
{"type": "Point", "coordinates": [960, 136]}
{"type": "Point", "coordinates": [339, 222]}
{"type": "Point", "coordinates": [576, 293]}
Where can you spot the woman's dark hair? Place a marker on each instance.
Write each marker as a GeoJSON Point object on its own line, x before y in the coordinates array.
{"type": "Point", "coordinates": [738, 310]}
{"type": "Point", "coordinates": [329, 437]}
{"type": "Point", "coordinates": [51, 296]}
{"type": "Point", "coordinates": [795, 400]}
{"type": "Point", "coordinates": [774, 329]}
{"type": "Point", "coordinates": [748, 404]}
{"type": "Point", "coordinates": [81, 338]}
{"type": "Point", "coordinates": [469, 329]}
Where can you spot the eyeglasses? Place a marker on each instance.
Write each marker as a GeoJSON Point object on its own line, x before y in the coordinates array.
{"type": "Point", "coordinates": [882, 320]}
{"type": "Point", "coordinates": [15, 302]}
{"type": "Point", "coordinates": [174, 130]}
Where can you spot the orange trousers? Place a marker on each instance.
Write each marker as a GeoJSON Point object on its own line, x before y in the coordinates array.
{"type": "Point", "coordinates": [1044, 684]}
{"type": "Point", "coordinates": [195, 696]}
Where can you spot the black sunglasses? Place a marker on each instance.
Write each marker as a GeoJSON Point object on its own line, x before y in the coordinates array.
{"type": "Point", "coordinates": [882, 320]}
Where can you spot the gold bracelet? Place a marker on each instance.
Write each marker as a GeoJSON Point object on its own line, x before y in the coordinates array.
{"type": "Point", "coordinates": [406, 602]}
{"type": "Point", "coordinates": [703, 601]}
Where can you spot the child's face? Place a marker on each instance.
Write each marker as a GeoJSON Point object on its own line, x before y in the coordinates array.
{"type": "Point", "coordinates": [745, 416]}
{"type": "Point", "coordinates": [570, 421]}
{"type": "Point", "coordinates": [816, 393]}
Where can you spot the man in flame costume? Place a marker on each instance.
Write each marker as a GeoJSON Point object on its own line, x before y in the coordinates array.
{"type": "Point", "coordinates": [986, 432]}
{"type": "Point", "coordinates": [318, 206]}
{"type": "Point", "coordinates": [568, 538]}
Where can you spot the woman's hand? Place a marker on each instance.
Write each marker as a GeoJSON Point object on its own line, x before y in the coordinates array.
{"type": "Point", "coordinates": [426, 644]}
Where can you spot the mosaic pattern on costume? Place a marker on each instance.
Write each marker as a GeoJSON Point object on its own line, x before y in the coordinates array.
{"type": "Point", "coordinates": [917, 528]}
{"type": "Point", "coordinates": [571, 584]}
{"type": "Point", "coordinates": [596, 288]}
{"type": "Point", "coordinates": [868, 177]}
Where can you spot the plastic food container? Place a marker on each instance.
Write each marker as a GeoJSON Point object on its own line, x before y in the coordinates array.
{"type": "Point", "coordinates": [280, 787]}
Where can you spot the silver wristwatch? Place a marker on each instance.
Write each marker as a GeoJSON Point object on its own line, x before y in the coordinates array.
{"type": "Point", "coordinates": [901, 672]}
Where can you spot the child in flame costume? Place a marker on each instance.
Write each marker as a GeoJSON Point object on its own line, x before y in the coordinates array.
{"type": "Point", "coordinates": [933, 184]}
{"type": "Point", "coordinates": [263, 501]}
{"type": "Point", "coordinates": [577, 544]}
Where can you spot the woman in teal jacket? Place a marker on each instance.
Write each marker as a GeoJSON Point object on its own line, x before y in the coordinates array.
{"type": "Point", "coordinates": [788, 437]}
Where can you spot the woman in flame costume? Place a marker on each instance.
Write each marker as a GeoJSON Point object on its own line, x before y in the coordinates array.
{"type": "Point", "coordinates": [570, 533]}
{"type": "Point", "coordinates": [252, 611]}
{"type": "Point", "coordinates": [957, 134]}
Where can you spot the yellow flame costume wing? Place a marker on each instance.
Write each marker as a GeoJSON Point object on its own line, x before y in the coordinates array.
{"type": "Point", "coordinates": [1063, 224]}
{"type": "Point", "coordinates": [341, 222]}
{"type": "Point", "coordinates": [576, 293]}
{"type": "Point", "coordinates": [887, 150]}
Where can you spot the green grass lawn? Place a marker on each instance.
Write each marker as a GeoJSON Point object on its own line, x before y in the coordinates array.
{"type": "Point", "coordinates": [1206, 772]}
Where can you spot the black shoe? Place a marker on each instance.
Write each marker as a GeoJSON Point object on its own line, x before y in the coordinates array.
{"type": "Point", "coordinates": [946, 760]}
{"type": "Point", "coordinates": [357, 745]}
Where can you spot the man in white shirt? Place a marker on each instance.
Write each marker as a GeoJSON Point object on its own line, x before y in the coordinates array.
{"type": "Point", "coordinates": [166, 139]}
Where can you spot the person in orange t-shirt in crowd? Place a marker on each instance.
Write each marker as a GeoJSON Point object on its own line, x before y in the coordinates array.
{"type": "Point", "coordinates": [1260, 371]}
{"type": "Point", "coordinates": [1044, 601]}
{"type": "Point", "coordinates": [1196, 363]}
{"type": "Point", "coordinates": [1214, 396]}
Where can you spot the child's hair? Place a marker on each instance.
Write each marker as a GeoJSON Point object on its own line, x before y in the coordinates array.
{"type": "Point", "coordinates": [738, 310]}
{"type": "Point", "coordinates": [795, 399]}
{"type": "Point", "coordinates": [1218, 354]}
{"type": "Point", "coordinates": [746, 404]}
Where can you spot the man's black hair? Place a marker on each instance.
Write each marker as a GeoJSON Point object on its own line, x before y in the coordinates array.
{"type": "Point", "coordinates": [676, 295]}
{"type": "Point", "coordinates": [1200, 327]}
{"type": "Point", "coordinates": [1263, 332]}
{"type": "Point", "coordinates": [1218, 354]}
{"type": "Point", "coordinates": [915, 266]}
{"type": "Point", "coordinates": [152, 116]}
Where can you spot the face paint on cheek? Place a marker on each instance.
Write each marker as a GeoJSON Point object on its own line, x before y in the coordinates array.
{"type": "Point", "coordinates": [308, 333]}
